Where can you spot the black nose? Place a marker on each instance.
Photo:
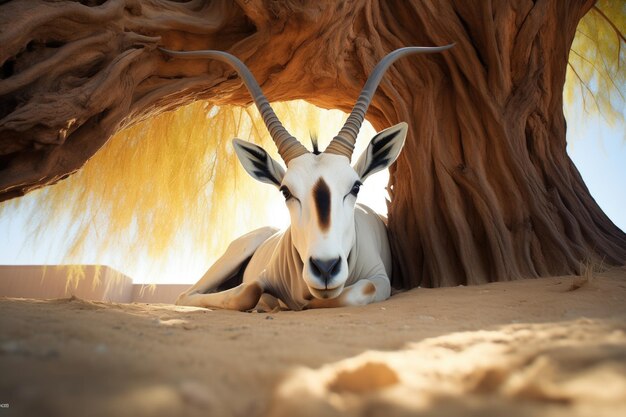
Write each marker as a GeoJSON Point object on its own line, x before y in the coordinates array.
{"type": "Point", "coordinates": [325, 268]}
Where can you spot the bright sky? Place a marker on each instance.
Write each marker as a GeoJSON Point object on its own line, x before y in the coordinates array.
{"type": "Point", "coordinates": [598, 151]}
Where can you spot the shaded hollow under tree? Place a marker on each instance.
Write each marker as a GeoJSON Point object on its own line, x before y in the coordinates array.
{"type": "Point", "coordinates": [483, 190]}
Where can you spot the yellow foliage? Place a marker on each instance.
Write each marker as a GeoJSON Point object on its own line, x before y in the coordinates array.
{"type": "Point", "coordinates": [596, 72]}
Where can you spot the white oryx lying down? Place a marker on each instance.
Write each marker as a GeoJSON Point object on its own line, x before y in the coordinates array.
{"type": "Point", "coordinates": [335, 253]}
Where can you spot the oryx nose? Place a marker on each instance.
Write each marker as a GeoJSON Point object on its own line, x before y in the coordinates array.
{"type": "Point", "coordinates": [325, 268]}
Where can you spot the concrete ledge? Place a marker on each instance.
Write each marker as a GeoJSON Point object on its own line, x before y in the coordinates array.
{"type": "Point", "coordinates": [89, 282]}
{"type": "Point", "coordinates": [162, 293]}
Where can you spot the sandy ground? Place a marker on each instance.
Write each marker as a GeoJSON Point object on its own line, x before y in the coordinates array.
{"type": "Point", "coordinates": [545, 347]}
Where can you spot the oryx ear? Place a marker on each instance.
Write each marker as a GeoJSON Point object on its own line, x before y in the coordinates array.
{"type": "Point", "coordinates": [258, 163]}
{"type": "Point", "coordinates": [383, 149]}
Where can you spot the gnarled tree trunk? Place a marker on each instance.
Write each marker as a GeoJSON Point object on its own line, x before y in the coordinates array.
{"type": "Point", "coordinates": [483, 191]}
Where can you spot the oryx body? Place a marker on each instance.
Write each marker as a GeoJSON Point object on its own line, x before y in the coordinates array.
{"type": "Point", "coordinates": [335, 252]}
{"type": "Point", "coordinates": [275, 268]}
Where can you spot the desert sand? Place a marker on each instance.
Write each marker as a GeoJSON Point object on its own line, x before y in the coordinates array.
{"type": "Point", "coordinates": [542, 347]}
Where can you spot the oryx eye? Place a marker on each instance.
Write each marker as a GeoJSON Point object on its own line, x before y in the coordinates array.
{"type": "Point", "coordinates": [355, 188]}
{"type": "Point", "coordinates": [286, 192]}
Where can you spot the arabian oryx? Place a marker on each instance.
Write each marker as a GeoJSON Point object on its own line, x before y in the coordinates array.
{"type": "Point", "coordinates": [335, 252]}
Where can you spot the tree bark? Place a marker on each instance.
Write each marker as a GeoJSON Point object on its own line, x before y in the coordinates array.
{"type": "Point", "coordinates": [483, 191]}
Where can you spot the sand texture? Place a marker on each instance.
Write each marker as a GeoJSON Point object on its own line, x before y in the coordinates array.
{"type": "Point", "coordinates": [544, 347]}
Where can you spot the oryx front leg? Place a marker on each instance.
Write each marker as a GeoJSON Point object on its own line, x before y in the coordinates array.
{"type": "Point", "coordinates": [242, 297]}
{"type": "Point", "coordinates": [362, 292]}
{"type": "Point", "coordinates": [237, 252]}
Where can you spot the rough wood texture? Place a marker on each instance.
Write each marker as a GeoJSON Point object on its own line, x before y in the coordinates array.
{"type": "Point", "coordinates": [483, 190]}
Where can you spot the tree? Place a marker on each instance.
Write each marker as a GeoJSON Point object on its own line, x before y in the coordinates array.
{"type": "Point", "coordinates": [483, 190]}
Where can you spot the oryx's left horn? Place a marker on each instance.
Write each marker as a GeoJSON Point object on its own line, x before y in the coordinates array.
{"type": "Point", "coordinates": [343, 143]}
{"type": "Point", "coordinates": [288, 146]}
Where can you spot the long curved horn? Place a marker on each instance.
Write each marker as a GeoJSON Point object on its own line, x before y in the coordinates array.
{"type": "Point", "coordinates": [343, 143]}
{"type": "Point", "coordinates": [288, 146]}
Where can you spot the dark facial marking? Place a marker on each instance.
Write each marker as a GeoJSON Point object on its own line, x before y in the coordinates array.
{"type": "Point", "coordinates": [321, 196]}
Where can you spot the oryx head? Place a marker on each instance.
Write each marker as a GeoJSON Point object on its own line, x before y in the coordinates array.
{"type": "Point", "coordinates": [320, 189]}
